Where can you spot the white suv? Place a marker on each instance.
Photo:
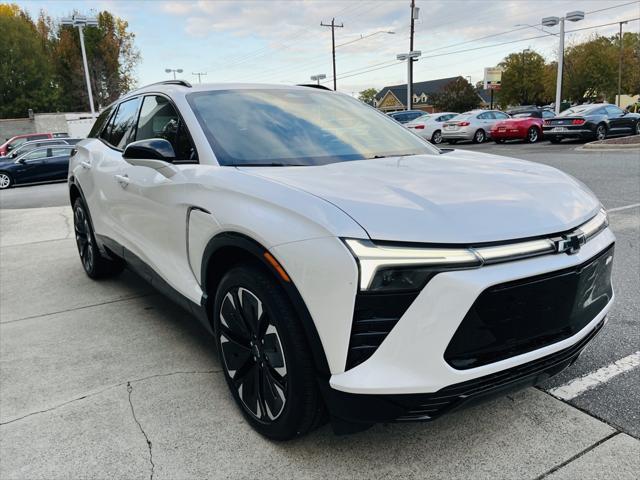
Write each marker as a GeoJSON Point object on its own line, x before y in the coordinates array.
{"type": "Point", "coordinates": [344, 265]}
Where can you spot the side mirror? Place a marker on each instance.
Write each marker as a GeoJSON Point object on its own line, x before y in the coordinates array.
{"type": "Point", "coordinates": [150, 149]}
{"type": "Point", "coordinates": [14, 155]}
{"type": "Point", "coordinates": [22, 160]}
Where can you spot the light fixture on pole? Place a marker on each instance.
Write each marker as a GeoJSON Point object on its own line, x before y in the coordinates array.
{"type": "Point", "coordinates": [409, 57]}
{"type": "Point", "coordinates": [575, 16]}
{"type": "Point", "coordinates": [174, 71]}
{"type": "Point", "coordinates": [82, 21]}
{"type": "Point", "coordinates": [317, 78]}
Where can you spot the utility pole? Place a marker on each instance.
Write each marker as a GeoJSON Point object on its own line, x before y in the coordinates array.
{"type": "Point", "coordinates": [620, 67]}
{"type": "Point", "coordinates": [414, 15]}
{"type": "Point", "coordinates": [199, 75]}
{"type": "Point", "coordinates": [333, 45]}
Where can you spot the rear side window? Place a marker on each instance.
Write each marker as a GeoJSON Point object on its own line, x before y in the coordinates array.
{"type": "Point", "coordinates": [613, 111]}
{"type": "Point", "coordinates": [56, 152]}
{"type": "Point", "coordinates": [119, 128]}
{"type": "Point", "coordinates": [99, 123]}
{"type": "Point", "coordinates": [500, 115]}
{"type": "Point", "coordinates": [159, 119]}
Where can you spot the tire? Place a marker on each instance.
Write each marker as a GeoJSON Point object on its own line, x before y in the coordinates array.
{"type": "Point", "coordinates": [554, 139]}
{"type": "Point", "coordinates": [638, 127]}
{"type": "Point", "coordinates": [498, 140]}
{"type": "Point", "coordinates": [480, 136]}
{"type": "Point", "coordinates": [436, 138]}
{"type": "Point", "coordinates": [601, 132]}
{"type": "Point", "coordinates": [533, 135]}
{"type": "Point", "coordinates": [266, 355]}
{"type": "Point", "coordinates": [5, 181]}
{"type": "Point", "coordinates": [94, 263]}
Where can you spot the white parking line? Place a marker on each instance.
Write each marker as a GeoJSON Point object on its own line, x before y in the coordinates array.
{"type": "Point", "coordinates": [591, 380]}
{"type": "Point", "coordinates": [626, 207]}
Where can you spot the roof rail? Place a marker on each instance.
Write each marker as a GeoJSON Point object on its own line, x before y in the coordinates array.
{"type": "Point", "coordinates": [314, 85]}
{"type": "Point", "coordinates": [183, 83]}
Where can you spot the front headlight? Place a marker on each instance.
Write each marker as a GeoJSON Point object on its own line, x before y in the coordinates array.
{"type": "Point", "coordinates": [394, 268]}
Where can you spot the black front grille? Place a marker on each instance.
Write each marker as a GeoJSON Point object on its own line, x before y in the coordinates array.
{"type": "Point", "coordinates": [517, 317]}
{"type": "Point", "coordinates": [374, 316]}
{"type": "Point", "coordinates": [430, 406]}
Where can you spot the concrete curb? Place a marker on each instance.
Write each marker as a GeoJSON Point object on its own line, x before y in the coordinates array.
{"type": "Point", "coordinates": [608, 147]}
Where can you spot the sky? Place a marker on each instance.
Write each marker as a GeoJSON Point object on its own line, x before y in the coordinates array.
{"type": "Point", "coordinates": [282, 41]}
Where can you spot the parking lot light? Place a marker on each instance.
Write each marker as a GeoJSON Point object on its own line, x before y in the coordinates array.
{"type": "Point", "coordinates": [81, 21]}
{"type": "Point", "coordinates": [317, 78]}
{"type": "Point", "coordinates": [174, 70]}
{"type": "Point", "coordinates": [574, 16]}
{"type": "Point", "coordinates": [409, 57]}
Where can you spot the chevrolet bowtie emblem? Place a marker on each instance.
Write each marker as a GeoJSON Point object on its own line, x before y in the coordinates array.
{"type": "Point", "coordinates": [570, 243]}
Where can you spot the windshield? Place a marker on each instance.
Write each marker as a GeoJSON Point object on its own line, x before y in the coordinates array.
{"type": "Point", "coordinates": [282, 127]}
{"type": "Point", "coordinates": [579, 110]}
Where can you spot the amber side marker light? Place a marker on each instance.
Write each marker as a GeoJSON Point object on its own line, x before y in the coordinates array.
{"type": "Point", "coordinates": [274, 263]}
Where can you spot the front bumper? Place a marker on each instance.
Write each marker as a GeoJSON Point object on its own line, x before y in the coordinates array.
{"type": "Point", "coordinates": [411, 359]}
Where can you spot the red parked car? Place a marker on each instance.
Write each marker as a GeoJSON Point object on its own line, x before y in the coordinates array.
{"type": "Point", "coordinates": [523, 125]}
{"type": "Point", "coordinates": [18, 140]}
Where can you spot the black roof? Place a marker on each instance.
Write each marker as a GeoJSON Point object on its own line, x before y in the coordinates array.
{"type": "Point", "coordinates": [428, 87]}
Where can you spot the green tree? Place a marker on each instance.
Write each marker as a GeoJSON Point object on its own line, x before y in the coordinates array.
{"type": "Point", "coordinates": [367, 95]}
{"type": "Point", "coordinates": [457, 96]}
{"type": "Point", "coordinates": [522, 79]}
{"type": "Point", "coordinates": [590, 70]}
{"type": "Point", "coordinates": [25, 73]}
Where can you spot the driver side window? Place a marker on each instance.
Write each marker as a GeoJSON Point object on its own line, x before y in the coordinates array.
{"type": "Point", "coordinates": [36, 155]}
{"type": "Point", "coordinates": [159, 119]}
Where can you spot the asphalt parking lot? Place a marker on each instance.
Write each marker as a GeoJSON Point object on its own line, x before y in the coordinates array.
{"type": "Point", "coordinates": [110, 380]}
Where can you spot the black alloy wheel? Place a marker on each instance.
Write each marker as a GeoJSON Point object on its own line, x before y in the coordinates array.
{"type": "Point", "coordinates": [638, 127]}
{"type": "Point", "coordinates": [264, 354]}
{"type": "Point", "coordinates": [94, 263]}
{"type": "Point", "coordinates": [436, 138]}
{"type": "Point", "coordinates": [532, 135]}
{"type": "Point", "coordinates": [601, 132]}
{"type": "Point", "coordinates": [479, 136]}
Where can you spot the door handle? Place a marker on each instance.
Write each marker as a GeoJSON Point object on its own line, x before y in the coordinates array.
{"type": "Point", "coordinates": [86, 165]}
{"type": "Point", "coordinates": [123, 180]}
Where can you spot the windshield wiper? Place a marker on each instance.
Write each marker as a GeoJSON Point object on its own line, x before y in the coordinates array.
{"type": "Point", "coordinates": [390, 156]}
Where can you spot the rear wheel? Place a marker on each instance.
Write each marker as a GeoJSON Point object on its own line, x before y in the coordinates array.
{"type": "Point", "coordinates": [266, 360]}
{"type": "Point", "coordinates": [479, 136]}
{"type": "Point", "coordinates": [94, 263]}
{"type": "Point", "coordinates": [601, 132]}
{"type": "Point", "coordinates": [5, 180]}
{"type": "Point", "coordinates": [436, 138]}
{"type": "Point", "coordinates": [532, 135]}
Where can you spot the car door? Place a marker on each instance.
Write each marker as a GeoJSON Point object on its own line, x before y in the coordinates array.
{"type": "Point", "coordinates": [618, 122]}
{"type": "Point", "coordinates": [106, 165]}
{"type": "Point", "coordinates": [154, 193]}
{"type": "Point", "coordinates": [59, 162]}
{"type": "Point", "coordinates": [30, 166]}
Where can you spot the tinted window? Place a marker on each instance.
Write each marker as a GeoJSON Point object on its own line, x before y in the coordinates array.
{"type": "Point", "coordinates": [613, 111]}
{"type": "Point", "coordinates": [159, 119]}
{"type": "Point", "coordinates": [500, 115]}
{"type": "Point", "coordinates": [36, 154]}
{"type": "Point", "coordinates": [297, 126]}
{"type": "Point", "coordinates": [413, 116]}
{"type": "Point", "coordinates": [118, 131]}
{"type": "Point", "coordinates": [56, 152]}
{"type": "Point", "coordinates": [99, 123]}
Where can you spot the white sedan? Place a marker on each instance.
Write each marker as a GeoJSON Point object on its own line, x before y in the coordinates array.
{"type": "Point", "coordinates": [345, 268]}
{"type": "Point", "coordinates": [429, 126]}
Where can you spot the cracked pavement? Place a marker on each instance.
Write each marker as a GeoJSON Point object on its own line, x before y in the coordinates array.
{"type": "Point", "coordinates": [108, 379]}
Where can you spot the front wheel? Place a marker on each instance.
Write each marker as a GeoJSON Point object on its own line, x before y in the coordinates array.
{"type": "Point", "coordinates": [5, 180]}
{"type": "Point", "coordinates": [265, 358]}
{"type": "Point", "coordinates": [94, 263]}
{"type": "Point", "coordinates": [436, 138]}
{"type": "Point", "coordinates": [532, 135]}
{"type": "Point", "coordinates": [638, 127]}
{"type": "Point", "coordinates": [479, 136]}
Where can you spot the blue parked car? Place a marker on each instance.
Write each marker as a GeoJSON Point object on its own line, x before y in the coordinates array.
{"type": "Point", "coordinates": [43, 164]}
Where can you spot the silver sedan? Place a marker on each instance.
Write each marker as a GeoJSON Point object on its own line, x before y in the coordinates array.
{"type": "Point", "coordinates": [429, 126]}
{"type": "Point", "coordinates": [474, 125]}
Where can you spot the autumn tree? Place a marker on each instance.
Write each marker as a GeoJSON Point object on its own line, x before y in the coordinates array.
{"type": "Point", "coordinates": [367, 95]}
{"type": "Point", "coordinates": [457, 96]}
{"type": "Point", "coordinates": [522, 79]}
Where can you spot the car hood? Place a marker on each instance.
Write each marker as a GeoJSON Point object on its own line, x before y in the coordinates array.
{"type": "Point", "coordinates": [458, 197]}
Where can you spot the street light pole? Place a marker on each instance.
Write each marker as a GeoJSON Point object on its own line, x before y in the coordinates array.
{"type": "Point", "coordinates": [81, 21]}
{"type": "Point", "coordinates": [409, 57]}
{"type": "Point", "coordinates": [620, 68]}
{"type": "Point", "coordinates": [317, 78]}
{"type": "Point", "coordinates": [575, 16]}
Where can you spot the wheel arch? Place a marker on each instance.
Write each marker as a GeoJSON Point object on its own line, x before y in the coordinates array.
{"type": "Point", "coordinates": [227, 249]}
